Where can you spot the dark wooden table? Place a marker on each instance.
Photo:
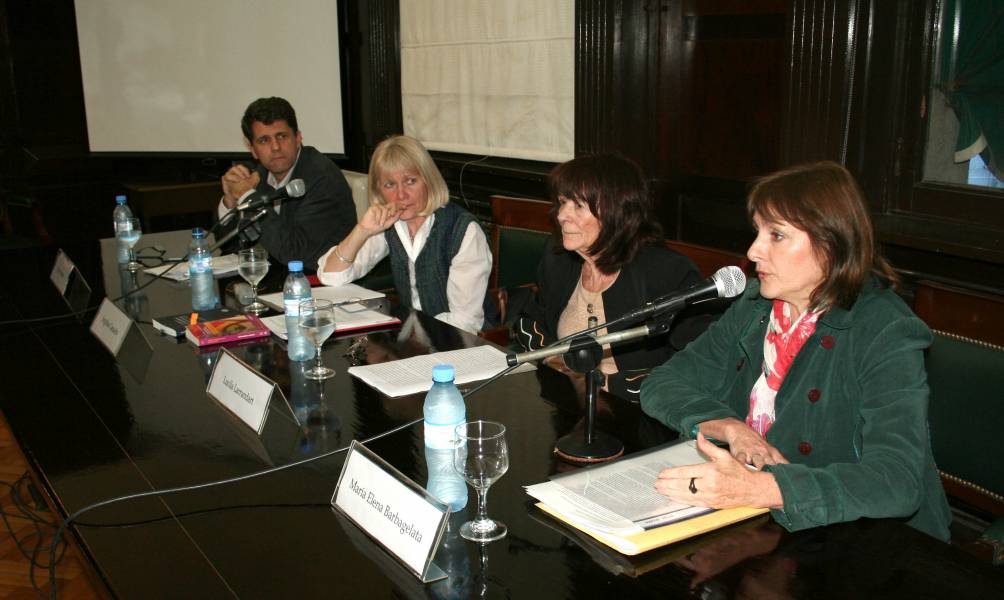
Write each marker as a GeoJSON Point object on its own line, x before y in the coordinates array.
{"type": "Point", "coordinates": [94, 427]}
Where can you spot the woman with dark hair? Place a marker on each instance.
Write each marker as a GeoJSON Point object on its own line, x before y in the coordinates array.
{"type": "Point", "coordinates": [814, 378]}
{"type": "Point", "coordinates": [611, 260]}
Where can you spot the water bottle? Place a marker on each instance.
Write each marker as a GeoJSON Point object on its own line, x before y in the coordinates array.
{"type": "Point", "coordinates": [444, 481]}
{"type": "Point", "coordinates": [296, 289]}
{"type": "Point", "coordinates": [120, 217]}
{"type": "Point", "coordinates": [200, 272]}
{"type": "Point", "coordinates": [443, 409]}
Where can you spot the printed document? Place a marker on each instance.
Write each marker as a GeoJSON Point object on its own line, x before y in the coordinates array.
{"type": "Point", "coordinates": [222, 265]}
{"type": "Point", "coordinates": [339, 294]}
{"type": "Point", "coordinates": [620, 498]}
{"type": "Point", "coordinates": [414, 375]}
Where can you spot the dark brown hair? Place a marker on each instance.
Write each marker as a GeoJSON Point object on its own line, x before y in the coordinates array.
{"type": "Point", "coordinates": [614, 189]}
{"type": "Point", "coordinates": [823, 200]}
{"type": "Point", "coordinates": [268, 111]}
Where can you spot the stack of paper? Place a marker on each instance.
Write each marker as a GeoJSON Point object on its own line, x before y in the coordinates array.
{"type": "Point", "coordinates": [222, 265]}
{"type": "Point", "coordinates": [348, 317]}
{"type": "Point", "coordinates": [617, 503]}
{"type": "Point", "coordinates": [414, 375]}
{"type": "Point", "coordinates": [341, 294]}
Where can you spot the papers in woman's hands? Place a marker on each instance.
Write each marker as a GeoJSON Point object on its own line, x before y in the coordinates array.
{"type": "Point", "coordinates": [414, 375]}
{"type": "Point", "coordinates": [222, 265]}
{"type": "Point", "coordinates": [619, 498]}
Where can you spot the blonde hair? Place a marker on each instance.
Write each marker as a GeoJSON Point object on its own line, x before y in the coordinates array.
{"type": "Point", "coordinates": [403, 152]}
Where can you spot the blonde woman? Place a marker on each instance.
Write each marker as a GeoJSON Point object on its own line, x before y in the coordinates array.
{"type": "Point", "coordinates": [439, 255]}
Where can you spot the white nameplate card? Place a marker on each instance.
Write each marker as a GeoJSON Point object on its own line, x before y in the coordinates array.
{"type": "Point", "coordinates": [110, 326]}
{"type": "Point", "coordinates": [61, 271]}
{"type": "Point", "coordinates": [392, 509]}
{"type": "Point", "coordinates": [241, 390]}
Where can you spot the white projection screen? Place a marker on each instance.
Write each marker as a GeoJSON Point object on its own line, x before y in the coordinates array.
{"type": "Point", "coordinates": [176, 75]}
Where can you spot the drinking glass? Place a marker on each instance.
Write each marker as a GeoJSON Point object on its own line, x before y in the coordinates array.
{"type": "Point", "coordinates": [481, 456]}
{"type": "Point", "coordinates": [252, 264]}
{"type": "Point", "coordinates": [317, 321]}
{"type": "Point", "coordinates": [129, 232]}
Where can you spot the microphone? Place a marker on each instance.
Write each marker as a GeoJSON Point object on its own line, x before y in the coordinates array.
{"type": "Point", "coordinates": [293, 189]}
{"type": "Point", "coordinates": [727, 282]}
{"type": "Point", "coordinates": [514, 358]}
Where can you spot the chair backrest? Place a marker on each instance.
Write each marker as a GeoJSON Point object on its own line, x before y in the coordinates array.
{"type": "Point", "coordinates": [359, 184]}
{"type": "Point", "coordinates": [707, 259]}
{"type": "Point", "coordinates": [960, 311]}
{"type": "Point", "coordinates": [520, 230]}
{"type": "Point", "coordinates": [966, 377]}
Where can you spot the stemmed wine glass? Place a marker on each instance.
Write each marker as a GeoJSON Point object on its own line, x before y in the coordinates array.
{"type": "Point", "coordinates": [317, 321]}
{"type": "Point", "coordinates": [129, 232]}
{"type": "Point", "coordinates": [252, 264]}
{"type": "Point", "coordinates": [481, 456]}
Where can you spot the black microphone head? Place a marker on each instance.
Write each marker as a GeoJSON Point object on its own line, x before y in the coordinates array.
{"type": "Point", "coordinates": [296, 188]}
{"type": "Point", "coordinates": [730, 281]}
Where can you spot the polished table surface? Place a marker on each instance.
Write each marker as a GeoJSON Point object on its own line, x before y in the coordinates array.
{"type": "Point", "coordinates": [94, 427]}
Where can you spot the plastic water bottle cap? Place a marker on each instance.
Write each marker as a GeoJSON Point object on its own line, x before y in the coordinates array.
{"type": "Point", "coordinates": [295, 266]}
{"type": "Point", "coordinates": [442, 373]}
{"type": "Point", "coordinates": [120, 199]}
{"type": "Point", "coordinates": [198, 233]}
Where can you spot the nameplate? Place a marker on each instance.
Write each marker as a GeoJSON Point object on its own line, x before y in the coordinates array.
{"type": "Point", "coordinates": [61, 271]}
{"type": "Point", "coordinates": [241, 390]}
{"type": "Point", "coordinates": [110, 326]}
{"type": "Point", "coordinates": [392, 509]}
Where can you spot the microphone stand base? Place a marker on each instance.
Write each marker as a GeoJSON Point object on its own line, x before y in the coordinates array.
{"type": "Point", "coordinates": [573, 448]}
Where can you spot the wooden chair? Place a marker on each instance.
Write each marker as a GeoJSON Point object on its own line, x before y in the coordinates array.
{"type": "Point", "coordinates": [972, 314]}
{"type": "Point", "coordinates": [520, 230]}
{"type": "Point", "coordinates": [707, 259]}
{"type": "Point", "coordinates": [965, 373]}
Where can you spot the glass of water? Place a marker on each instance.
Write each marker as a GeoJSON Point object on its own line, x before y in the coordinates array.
{"type": "Point", "coordinates": [317, 322]}
{"type": "Point", "coordinates": [481, 456]}
{"type": "Point", "coordinates": [129, 232]}
{"type": "Point", "coordinates": [252, 264]}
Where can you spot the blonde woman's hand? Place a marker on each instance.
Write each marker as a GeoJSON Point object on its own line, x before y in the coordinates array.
{"type": "Point", "coordinates": [379, 218]}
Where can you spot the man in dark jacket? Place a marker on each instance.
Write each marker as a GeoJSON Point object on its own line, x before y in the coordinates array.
{"type": "Point", "coordinates": [297, 229]}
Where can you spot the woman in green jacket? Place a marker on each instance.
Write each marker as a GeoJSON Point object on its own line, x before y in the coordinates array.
{"type": "Point", "coordinates": [814, 378]}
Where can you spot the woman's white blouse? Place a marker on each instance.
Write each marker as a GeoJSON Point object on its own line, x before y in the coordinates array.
{"type": "Point", "coordinates": [465, 286]}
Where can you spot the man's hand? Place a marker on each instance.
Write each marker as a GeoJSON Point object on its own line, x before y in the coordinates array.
{"type": "Point", "coordinates": [236, 182]}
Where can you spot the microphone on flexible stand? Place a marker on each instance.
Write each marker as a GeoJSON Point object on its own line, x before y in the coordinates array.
{"type": "Point", "coordinates": [293, 189]}
{"type": "Point", "coordinates": [254, 201]}
{"type": "Point", "coordinates": [727, 282]}
{"type": "Point", "coordinates": [583, 353]}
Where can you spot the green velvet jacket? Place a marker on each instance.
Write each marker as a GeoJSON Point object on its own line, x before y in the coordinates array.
{"type": "Point", "coordinates": [851, 414]}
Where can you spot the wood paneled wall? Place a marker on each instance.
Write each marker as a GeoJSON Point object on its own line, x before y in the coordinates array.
{"type": "Point", "coordinates": [705, 95]}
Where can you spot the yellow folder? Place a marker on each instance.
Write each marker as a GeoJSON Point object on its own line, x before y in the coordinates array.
{"type": "Point", "coordinates": [667, 534]}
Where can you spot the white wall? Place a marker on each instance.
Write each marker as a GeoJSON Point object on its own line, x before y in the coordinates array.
{"type": "Point", "coordinates": [176, 75]}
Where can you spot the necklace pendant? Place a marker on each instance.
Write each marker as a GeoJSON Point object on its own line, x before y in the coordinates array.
{"type": "Point", "coordinates": [590, 308]}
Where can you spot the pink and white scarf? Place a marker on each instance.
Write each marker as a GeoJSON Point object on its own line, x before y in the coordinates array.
{"type": "Point", "coordinates": [780, 346]}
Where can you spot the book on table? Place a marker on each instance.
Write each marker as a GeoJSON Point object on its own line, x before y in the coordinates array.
{"type": "Point", "coordinates": [229, 329]}
{"type": "Point", "coordinates": [176, 325]}
{"type": "Point", "coordinates": [617, 504]}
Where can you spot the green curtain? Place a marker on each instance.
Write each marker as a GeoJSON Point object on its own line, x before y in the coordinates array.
{"type": "Point", "coordinates": [972, 77]}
